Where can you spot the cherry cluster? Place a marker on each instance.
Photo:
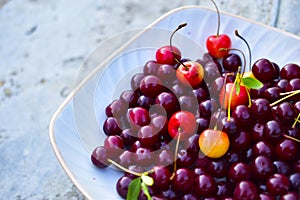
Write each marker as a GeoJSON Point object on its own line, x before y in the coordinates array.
{"type": "Point", "coordinates": [206, 129]}
{"type": "Point", "coordinates": [144, 125]}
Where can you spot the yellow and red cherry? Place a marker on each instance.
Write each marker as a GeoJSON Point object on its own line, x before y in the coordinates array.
{"type": "Point", "coordinates": [182, 123]}
{"type": "Point", "coordinates": [190, 73]}
{"type": "Point", "coordinates": [168, 55]}
{"type": "Point", "coordinates": [218, 45]}
{"type": "Point", "coordinates": [213, 143]}
{"type": "Point", "coordinates": [229, 92]}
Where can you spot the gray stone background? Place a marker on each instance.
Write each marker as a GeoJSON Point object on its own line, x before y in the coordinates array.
{"type": "Point", "coordinates": [42, 45]}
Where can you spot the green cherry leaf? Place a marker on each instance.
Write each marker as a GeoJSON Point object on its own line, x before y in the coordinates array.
{"type": "Point", "coordinates": [147, 180]}
{"type": "Point", "coordinates": [146, 191]}
{"type": "Point", "coordinates": [252, 83]}
{"type": "Point", "coordinates": [134, 189]}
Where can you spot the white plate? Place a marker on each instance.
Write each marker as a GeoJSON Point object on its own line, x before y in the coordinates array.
{"type": "Point", "coordinates": [76, 127]}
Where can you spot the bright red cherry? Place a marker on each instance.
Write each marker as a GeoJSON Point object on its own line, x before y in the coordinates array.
{"type": "Point", "coordinates": [190, 73]}
{"type": "Point", "coordinates": [236, 99]}
{"type": "Point", "coordinates": [218, 45]}
{"type": "Point", "coordinates": [183, 123]}
{"type": "Point", "coordinates": [164, 55]}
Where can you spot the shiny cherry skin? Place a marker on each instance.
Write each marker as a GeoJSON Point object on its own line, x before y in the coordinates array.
{"type": "Point", "coordinates": [114, 145]}
{"type": "Point", "coordinates": [148, 136]}
{"type": "Point", "coordinates": [99, 157]}
{"type": "Point", "coordinates": [205, 185]}
{"type": "Point", "coordinates": [263, 70]}
{"type": "Point", "coordinates": [183, 180]}
{"type": "Point", "coordinates": [213, 143]}
{"type": "Point", "coordinates": [190, 73]}
{"type": "Point", "coordinates": [138, 117]}
{"type": "Point", "coordinates": [278, 184]}
{"type": "Point", "coordinates": [245, 190]}
{"type": "Point", "coordinates": [236, 99]}
{"type": "Point", "coordinates": [287, 149]}
{"type": "Point", "coordinates": [151, 86]}
{"type": "Point", "coordinates": [161, 176]}
{"type": "Point", "coordinates": [183, 123]}
{"type": "Point", "coordinates": [168, 101]}
{"type": "Point", "coordinates": [262, 168]}
{"type": "Point", "coordinates": [165, 55]}
{"type": "Point", "coordinates": [232, 62]}
{"type": "Point", "coordinates": [123, 185]}
{"type": "Point", "coordinates": [290, 71]}
{"type": "Point", "coordinates": [238, 172]}
{"type": "Point", "coordinates": [243, 116]}
{"type": "Point", "coordinates": [216, 42]}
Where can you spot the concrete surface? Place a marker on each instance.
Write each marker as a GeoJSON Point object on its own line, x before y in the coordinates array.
{"type": "Point", "coordinates": [42, 44]}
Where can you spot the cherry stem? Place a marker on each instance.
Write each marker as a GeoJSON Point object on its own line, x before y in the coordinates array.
{"type": "Point", "coordinates": [171, 38]}
{"type": "Point", "coordinates": [123, 168]}
{"type": "Point", "coordinates": [296, 120]}
{"type": "Point", "coordinates": [248, 46]}
{"type": "Point", "coordinates": [219, 18]}
{"type": "Point", "coordinates": [231, 92]}
{"type": "Point", "coordinates": [286, 97]}
{"type": "Point", "coordinates": [292, 138]}
{"type": "Point", "coordinates": [127, 170]}
{"type": "Point", "coordinates": [223, 102]}
{"type": "Point", "coordinates": [285, 93]}
{"type": "Point", "coordinates": [175, 157]}
{"type": "Point", "coordinates": [249, 98]}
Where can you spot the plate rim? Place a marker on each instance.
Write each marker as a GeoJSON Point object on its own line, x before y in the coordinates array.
{"type": "Point", "coordinates": [73, 93]}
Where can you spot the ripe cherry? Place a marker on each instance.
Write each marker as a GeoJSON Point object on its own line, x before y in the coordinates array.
{"type": "Point", "coordinates": [215, 43]}
{"type": "Point", "coordinates": [183, 123]}
{"type": "Point", "coordinates": [213, 143]}
{"type": "Point", "coordinates": [218, 45]}
{"type": "Point", "coordinates": [168, 55]}
{"type": "Point", "coordinates": [236, 99]}
{"type": "Point", "coordinates": [190, 73]}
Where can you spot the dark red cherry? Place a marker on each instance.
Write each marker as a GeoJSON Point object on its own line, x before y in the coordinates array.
{"type": "Point", "coordinates": [243, 116]}
{"type": "Point", "coordinates": [168, 101]}
{"type": "Point", "coordinates": [123, 185]}
{"type": "Point", "coordinates": [183, 180]}
{"type": "Point", "coordinates": [278, 184]}
{"type": "Point", "coordinates": [262, 168]}
{"type": "Point", "coordinates": [261, 109]}
{"type": "Point", "coordinates": [112, 126]}
{"type": "Point", "coordinates": [238, 172]}
{"type": "Point", "coordinates": [232, 62]}
{"type": "Point", "coordinates": [287, 149]}
{"type": "Point", "coordinates": [151, 67]}
{"type": "Point", "coordinates": [245, 190]}
{"type": "Point", "coordinates": [161, 176]}
{"type": "Point", "coordinates": [114, 145]}
{"type": "Point", "coordinates": [290, 196]}
{"type": "Point", "coordinates": [148, 136]}
{"type": "Point", "coordinates": [290, 71]}
{"type": "Point", "coordinates": [143, 157]}
{"type": "Point", "coordinates": [205, 185]}
{"type": "Point", "coordinates": [136, 80]}
{"type": "Point", "coordinates": [151, 86]}
{"type": "Point", "coordinates": [99, 157]}
{"type": "Point", "coordinates": [263, 70]}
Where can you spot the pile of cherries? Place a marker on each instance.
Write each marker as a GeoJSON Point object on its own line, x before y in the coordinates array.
{"type": "Point", "coordinates": [206, 129]}
{"type": "Point", "coordinates": [260, 163]}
